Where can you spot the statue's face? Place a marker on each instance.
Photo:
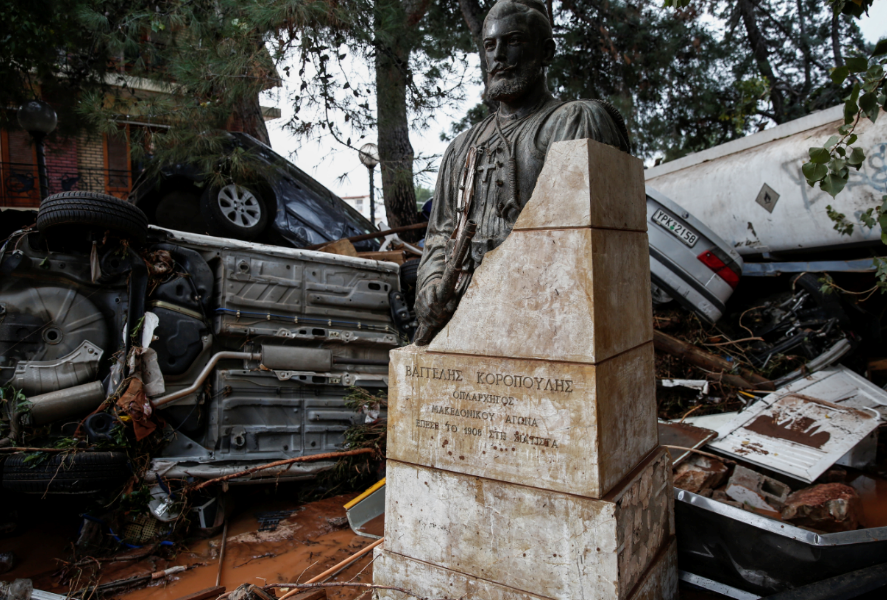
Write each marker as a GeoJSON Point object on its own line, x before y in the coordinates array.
{"type": "Point", "coordinates": [516, 55]}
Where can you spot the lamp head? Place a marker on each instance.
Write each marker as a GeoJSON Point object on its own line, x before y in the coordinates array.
{"type": "Point", "coordinates": [37, 116]}
{"type": "Point", "coordinates": [369, 156]}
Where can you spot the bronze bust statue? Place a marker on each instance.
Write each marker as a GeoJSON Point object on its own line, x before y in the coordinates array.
{"type": "Point", "coordinates": [488, 173]}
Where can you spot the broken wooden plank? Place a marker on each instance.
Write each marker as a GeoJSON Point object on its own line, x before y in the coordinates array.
{"type": "Point", "coordinates": [395, 256]}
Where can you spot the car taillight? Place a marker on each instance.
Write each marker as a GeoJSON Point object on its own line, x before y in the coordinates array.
{"type": "Point", "coordinates": [713, 262]}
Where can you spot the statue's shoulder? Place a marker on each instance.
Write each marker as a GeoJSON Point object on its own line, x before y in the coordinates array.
{"type": "Point", "coordinates": [600, 108]}
{"type": "Point", "coordinates": [596, 119]}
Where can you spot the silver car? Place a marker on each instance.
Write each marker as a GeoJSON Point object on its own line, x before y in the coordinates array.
{"type": "Point", "coordinates": [689, 263]}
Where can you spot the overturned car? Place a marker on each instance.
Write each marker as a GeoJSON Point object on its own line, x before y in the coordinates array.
{"type": "Point", "coordinates": [229, 353]}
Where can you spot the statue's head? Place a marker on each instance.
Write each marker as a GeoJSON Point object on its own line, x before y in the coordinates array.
{"type": "Point", "coordinates": [518, 45]}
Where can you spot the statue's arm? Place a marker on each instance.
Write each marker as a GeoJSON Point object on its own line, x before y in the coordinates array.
{"type": "Point", "coordinates": [582, 119]}
{"type": "Point", "coordinates": [440, 225]}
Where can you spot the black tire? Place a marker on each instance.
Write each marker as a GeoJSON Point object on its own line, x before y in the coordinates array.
{"type": "Point", "coordinates": [93, 210]}
{"type": "Point", "coordinates": [409, 273]}
{"type": "Point", "coordinates": [80, 473]}
{"type": "Point", "coordinates": [234, 211]}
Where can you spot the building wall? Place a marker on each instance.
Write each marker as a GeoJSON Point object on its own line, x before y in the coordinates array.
{"type": "Point", "coordinates": [83, 163]}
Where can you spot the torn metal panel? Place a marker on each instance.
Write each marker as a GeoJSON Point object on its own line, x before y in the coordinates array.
{"type": "Point", "coordinates": [713, 586]}
{"type": "Point", "coordinates": [715, 421]}
{"type": "Point", "coordinates": [794, 434]}
{"type": "Point", "coordinates": [762, 556]}
{"type": "Point", "coordinates": [683, 435]}
{"type": "Point", "coordinates": [366, 513]}
{"type": "Point", "coordinates": [839, 385]}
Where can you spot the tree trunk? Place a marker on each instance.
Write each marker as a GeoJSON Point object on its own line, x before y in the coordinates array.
{"type": "Point", "coordinates": [395, 151]}
{"type": "Point", "coordinates": [248, 119]}
{"type": "Point", "coordinates": [836, 41]}
{"type": "Point", "coordinates": [759, 50]}
{"type": "Point", "coordinates": [474, 18]}
{"type": "Point", "coordinates": [803, 42]}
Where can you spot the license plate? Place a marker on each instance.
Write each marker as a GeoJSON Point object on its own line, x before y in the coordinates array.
{"type": "Point", "coordinates": [663, 219]}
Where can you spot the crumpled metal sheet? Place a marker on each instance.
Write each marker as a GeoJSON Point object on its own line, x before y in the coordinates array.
{"type": "Point", "coordinates": [795, 434]}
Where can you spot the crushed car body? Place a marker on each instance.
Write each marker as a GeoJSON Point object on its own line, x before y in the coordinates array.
{"type": "Point", "coordinates": [234, 353]}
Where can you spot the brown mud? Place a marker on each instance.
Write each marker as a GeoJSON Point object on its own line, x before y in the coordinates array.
{"type": "Point", "coordinates": [303, 545]}
{"type": "Point", "coordinates": [873, 493]}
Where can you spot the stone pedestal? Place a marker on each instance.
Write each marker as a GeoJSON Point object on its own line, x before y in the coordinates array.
{"type": "Point", "coordinates": [522, 442]}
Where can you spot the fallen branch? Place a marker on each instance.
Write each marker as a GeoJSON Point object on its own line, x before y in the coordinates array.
{"type": "Point", "coordinates": [280, 463]}
{"type": "Point", "coordinates": [743, 378]}
{"type": "Point", "coordinates": [337, 568]}
{"type": "Point", "coordinates": [370, 586]}
{"type": "Point", "coordinates": [222, 554]}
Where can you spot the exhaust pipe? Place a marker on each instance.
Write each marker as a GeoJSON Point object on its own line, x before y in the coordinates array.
{"type": "Point", "coordinates": [67, 403]}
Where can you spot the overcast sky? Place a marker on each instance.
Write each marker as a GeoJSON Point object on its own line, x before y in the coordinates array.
{"type": "Point", "coordinates": [327, 160]}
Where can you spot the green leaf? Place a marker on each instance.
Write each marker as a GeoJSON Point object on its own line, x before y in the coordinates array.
{"type": "Point", "coordinates": [819, 155]}
{"type": "Point", "coordinates": [867, 219]}
{"type": "Point", "coordinates": [856, 158]}
{"type": "Point", "coordinates": [814, 172]}
{"type": "Point", "coordinates": [882, 221]}
{"type": "Point", "coordinates": [850, 111]}
{"type": "Point", "coordinates": [857, 64]}
{"type": "Point", "coordinates": [833, 184]}
{"type": "Point", "coordinates": [852, 139]}
{"type": "Point", "coordinates": [836, 165]}
{"type": "Point", "coordinates": [880, 48]}
{"type": "Point", "coordinates": [874, 73]}
{"type": "Point", "coordinates": [869, 105]}
{"type": "Point", "coordinates": [839, 74]}
{"type": "Point", "coordinates": [841, 151]}
{"type": "Point", "coordinates": [846, 128]}
{"type": "Point", "coordinates": [831, 141]}
{"type": "Point", "coordinates": [854, 93]}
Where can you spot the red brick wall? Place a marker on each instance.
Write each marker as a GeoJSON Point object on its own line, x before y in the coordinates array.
{"type": "Point", "coordinates": [90, 154]}
{"type": "Point", "coordinates": [61, 165]}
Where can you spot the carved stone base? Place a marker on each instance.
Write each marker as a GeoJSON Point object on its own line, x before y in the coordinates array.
{"type": "Point", "coordinates": [541, 542]}
{"type": "Point", "coordinates": [660, 581]}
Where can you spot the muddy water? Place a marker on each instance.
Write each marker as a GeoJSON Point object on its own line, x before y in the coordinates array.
{"type": "Point", "coordinates": [873, 493]}
{"type": "Point", "coordinates": [44, 536]}
{"type": "Point", "coordinates": [303, 545]}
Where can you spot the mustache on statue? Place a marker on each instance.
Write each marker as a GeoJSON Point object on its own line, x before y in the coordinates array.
{"type": "Point", "coordinates": [500, 68]}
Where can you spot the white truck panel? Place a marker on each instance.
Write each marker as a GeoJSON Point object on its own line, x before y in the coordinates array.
{"type": "Point", "coordinates": [721, 185]}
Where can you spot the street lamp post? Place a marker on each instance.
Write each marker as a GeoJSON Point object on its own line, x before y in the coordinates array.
{"type": "Point", "coordinates": [39, 119]}
{"type": "Point", "coordinates": [369, 157]}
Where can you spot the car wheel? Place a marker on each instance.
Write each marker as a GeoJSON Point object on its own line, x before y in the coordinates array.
{"type": "Point", "coordinates": [80, 473]}
{"type": "Point", "coordinates": [234, 211]}
{"type": "Point", "coordinates": [91, 209]}
{"type": "Point", "coordinates": [180, 211]}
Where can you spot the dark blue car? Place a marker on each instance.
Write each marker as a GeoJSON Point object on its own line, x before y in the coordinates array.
{"type": "Point", "coordinates": [283, 205]}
